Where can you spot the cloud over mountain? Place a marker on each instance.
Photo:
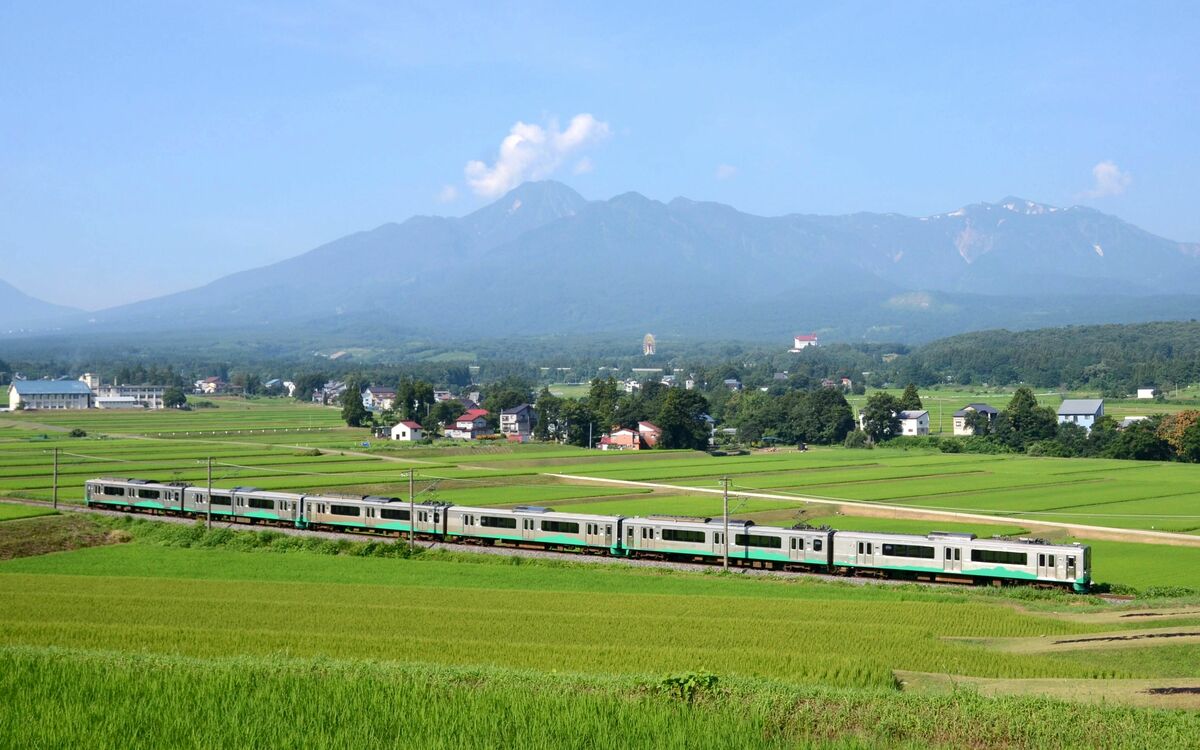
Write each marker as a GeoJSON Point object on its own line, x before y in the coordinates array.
{"type": "Point", "coordinates": [534, 152]}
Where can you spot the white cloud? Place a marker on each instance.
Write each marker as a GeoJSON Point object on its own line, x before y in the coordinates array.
{"type": "Point", "coordinates": [448, 194]}
{"type": "Point", "coordinates": [584, 165]}
{"type": "Point", "coordinates": [726, 171]}
{"type": "Point", "coordinates": [533, 152]}
{"type": "Point", "coordinates": [1108, 180]}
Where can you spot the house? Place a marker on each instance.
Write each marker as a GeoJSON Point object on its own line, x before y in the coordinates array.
{"type": "Point", "coordinates": [650, 433]}
{"type": "Point", "coordinates": [329, 393]}
{"type": "Point", "coordinates": [631, 385]}
{"type": "Point", "coordinates": [439, 396]}
{"type": "Point", "coordinates": [376, 398]}
{"type": "Point", "coordinates": [645, 436]}
{"type": "Point", "coordinates": [408, 430]}
{"type": "Point", "coordinates": [733, 384]}
{"type": "Point", "coordinates": [211, 386]}
{"type": "Point", "coordinates": [802, 341]}
{"type": "Point", "coordinates": [1145, 392]}
{"type": "Point", "coordinates": [829, 383]}
{"type": "Point", "coordinates": [470, 426]}
{"type": "Point", "coordinates": [49, 394]}
{"type": "Point", "coordinates": [847, 383]}
{"type": "Point", "coordinates": [519, 420]}
{"type": "Point", "coordinates": [1130, 421]}
{"type": "Point", "coordinates": [1081, 411]}
{"type": "Point", "coordinates": [914, 422]}
{"type": "Point", "coordinates": [960, 417]}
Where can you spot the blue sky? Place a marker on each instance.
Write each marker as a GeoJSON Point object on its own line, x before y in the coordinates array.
{"type": "Point", "coordinates": [150, 147]}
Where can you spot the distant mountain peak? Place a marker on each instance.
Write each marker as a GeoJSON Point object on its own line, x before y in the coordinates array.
{"type": "Point", "coordinates": [1027, 207]}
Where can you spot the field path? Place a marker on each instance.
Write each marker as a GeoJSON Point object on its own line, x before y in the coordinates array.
{"type": "Point", "coordinates": [1082, 530]}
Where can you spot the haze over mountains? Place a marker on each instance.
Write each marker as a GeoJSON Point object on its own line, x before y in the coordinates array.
{"type": "Point", "coordinates": [544, 260]}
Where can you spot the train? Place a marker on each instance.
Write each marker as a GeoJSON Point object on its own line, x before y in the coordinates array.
{"type": "Point", "coordinates": [947, 557]}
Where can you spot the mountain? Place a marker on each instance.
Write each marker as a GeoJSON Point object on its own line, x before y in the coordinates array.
{"type": "Point", "coordinates": [542, 259]}
{"type": "Point", "coordinates": [19, 311]}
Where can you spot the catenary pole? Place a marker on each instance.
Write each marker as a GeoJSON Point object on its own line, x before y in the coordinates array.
{"type": "Point", "coordinates": [54, 492]}
{"type": "Point", "coordinates": [725, 514]}
{"type": "Point", "coordinates": [412, 515]}
{"type": "Point", "coordinates": [208, 499]}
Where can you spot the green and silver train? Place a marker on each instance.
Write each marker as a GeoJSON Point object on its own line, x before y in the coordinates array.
{"type": "Point", "coordinates": [938, 556]}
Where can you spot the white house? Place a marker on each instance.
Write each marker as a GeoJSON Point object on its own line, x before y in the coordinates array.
{"type": "Point", "coordinates": [49, 394]}
{"type": "Point", "coordinates": [914, 422]}
{"type": "Point", "coordinates": [960, 417]}
{"type": "Point", "coordinates": [408, 430]}
{"type": "Point", "coordinates": [802, 341]}
{"type": "Point", "coordinates": [469, 426]}
{"type": "Point", "coordinates": [1145, 393]}
{"type": "Point", "coordinates": [375, 398]}
{"type": "Point", "coordinates": [1081, 411]}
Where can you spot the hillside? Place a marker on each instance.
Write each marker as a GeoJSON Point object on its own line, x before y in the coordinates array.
{"type": "Point", "coordinates": [20, 311]}
{"type": "Point", "coordinates": [543, 259]}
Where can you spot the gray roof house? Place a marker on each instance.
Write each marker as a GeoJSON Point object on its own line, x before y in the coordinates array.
{"type": "Point", "coordinates": [960, 417]}
{"type": "Point", "coordinates": [1081, 411]}
{"type": "Point", "coordinates": [49, 394]}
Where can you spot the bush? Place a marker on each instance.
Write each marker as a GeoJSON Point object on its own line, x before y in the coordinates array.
{"type": "Point", "coordinates": [78, 432]}
{"type": "Point", "coordinates": [857, 439]}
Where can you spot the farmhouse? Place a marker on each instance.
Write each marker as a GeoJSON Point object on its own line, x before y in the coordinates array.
{"type": "Point", "coordinates": [470, 426]}
{"type": "Point", "coordinates": [49, 394]}
{"type": "Point", "coordinates": [914, 422]}
{"type": "Point", "coordinates": [1145, 392]}
{"type": "Point", "coordinates": [645, 436]}
{"type": "Point", "coordinates": [211, 386]}
{"type": "Point", "coordinates": [1081, 411]}
{"type": "Point", "coordinates": [518, 421]}
{"type": "Point", "coordinates": [960, 417]}
{"type": "Point", "coordinates": [802, 341]}
{"type": "Point", "coordinates": [408, 431]}
{"type": "Point", "coordinates": [376, 398]}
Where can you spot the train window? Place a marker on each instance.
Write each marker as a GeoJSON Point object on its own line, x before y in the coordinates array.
{"type": "Point", "coordinates": [678, 535]}
{"type": "Point", "coordinates": [608, 530]}
{"type": "Point", "coordinates": [999, 556]}
{"type": "Point", "coordinates": [262, 503]}
{"type": "Point", "coordinates": [564, 527]}
{"type": "Point", "coordinates": [1041, 561]}
{"type": "Point", "coordinates": [309, 507]}
{"type": "Point", "coordinates": [869, 550]}
{"type": "Point", "coordinates": [221, 500]}
{"type": "Point", "coordinates": [957, 554]}
{"type": "Point", "coordinates": [1050, 561]}
{"type": "Point", "coordinates": [793, 543]}
{"type": "Point", "coordinates": [757, 540]}
{"type": "Point", "coordinates": [498, 522]}
{"type": "Point", "coordinates": [860, 548]}
{"type": "Point", "coordinates": [422, 517]}
{"type": "Point", "coordinates": [114, 491]}
{"type": "Point", "coordinates": [392, 514]}
{"type": "Point", "coordinates": [344, 510]}
{"type": "Point", "coordinates": [148, 494]}
{"type": "Point", "coordinates": [816, 545]}
{"type": "Point", "coordinates": [909, 550]}
{"type": "Point", "coordinates": [947, 553]}
{"type": "Point", "coordinates": [629, 532]}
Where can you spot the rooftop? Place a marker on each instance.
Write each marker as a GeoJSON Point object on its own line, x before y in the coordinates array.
{"type": "Point", "coordinates": [51, 387]}
{"type": "Point", "coordinates": [1081, 406]}
{"type": "Point", "coordinates": [981, 408]}
{"type": "Point", "coordinates": [913, 413]}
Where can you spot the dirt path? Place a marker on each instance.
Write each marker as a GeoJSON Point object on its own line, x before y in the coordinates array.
{"type": "Point", "coordinates": [901, 511]}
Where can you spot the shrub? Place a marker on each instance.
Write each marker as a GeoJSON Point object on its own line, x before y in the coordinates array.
{"type": "Point", "coordinates": [78, 432]}
{"type": "Point", "coordinates": [857, 439]}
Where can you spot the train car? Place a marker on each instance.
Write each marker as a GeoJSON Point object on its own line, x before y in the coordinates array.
{"type": "Point", "coordinates": [373, 513]}
{"type": "Point", "coordinates": [531, 524]}
{"type": "Point", "coordinates": [135, 494]}
{"type": "Point", "coordinates": [704, 539]}
{"type": "Point", "coordinates": [243, 505]}
{"type": "Point", "coordinates": [941, 556]}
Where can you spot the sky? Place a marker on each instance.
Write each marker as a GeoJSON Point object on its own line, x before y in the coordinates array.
{"type": "Point", "coordinates": [151, 147]}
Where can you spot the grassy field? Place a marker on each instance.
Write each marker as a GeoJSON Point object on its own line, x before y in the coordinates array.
{"type": "Point", "coordinates": [222, 638]}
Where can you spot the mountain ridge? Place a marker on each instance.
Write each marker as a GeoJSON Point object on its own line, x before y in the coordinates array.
{"type": "Point", "coordinates": [543, 259]}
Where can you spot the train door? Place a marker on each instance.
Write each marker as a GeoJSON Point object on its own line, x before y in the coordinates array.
{"type": "Point", "coordinates": [952, 558]}
{"type": "Point", "coordinates": [796, 548]}
{"type": "Point", "coordinates": [633, 535]}
{"type": "Point", "coordinates": [608, 535]}
{"type": "Point", "coordinates": [527, 530]}
{"type": "Point", "coordinates": [866, 553]}
{"type": "Point", "coordinates": [1046, 565]}
{"type": "Point", "coordinates": [1072, 570]}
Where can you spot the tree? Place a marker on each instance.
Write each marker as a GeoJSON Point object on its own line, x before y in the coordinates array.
{"type": "Point", "coordinates": [979, 423]}
{"type": "Point", "coordinates": [602, 399]}
{"type": "Point", "coordinates": [306, 384]}
{"type": "Point", "coordinates": [822, 416]}
{"type": "Point", "coordinates": [549, 410]}
{"type": "Point", "coordinates": [1173, 427]}
{"type": "Point", "coordinates": [1024, 422]}
{"type": "Point", "coordinates": [881, 416]}
{"type": "Point", "coordinates": [681, 420]}
{"type": "Point", "coordinates": [443, 412]}
{"type": "Point", "coordinates": [174, 398]}
{"type": "Point", "coordinates": [353, 412]}
{"type": "Point", "coordinates": [1188, 448]}
{"type": "Point", "coordinates": [1138, 441]}
{"type": "Point", "coordinates": [910, 400]}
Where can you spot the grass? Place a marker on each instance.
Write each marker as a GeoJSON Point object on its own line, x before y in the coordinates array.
{"type": "Point", "coordinates": [166, 702]}
{"type": "Point", "coordinates": [10, 511]}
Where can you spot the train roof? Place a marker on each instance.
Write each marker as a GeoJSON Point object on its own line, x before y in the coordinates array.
{"type": "Point", "coordinates": [952, 537]}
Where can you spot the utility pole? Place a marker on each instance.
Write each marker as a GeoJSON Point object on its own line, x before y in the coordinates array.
{"type": "Point", "coordinates": [412, 515]}
{"type": "Point", "coordinates": [589, 434]}
{"type": "Point", "coordinates": [208, 499]}
{"type": "Point", "coordinates": [54, 493]}
{"type": "Point", "coordinates": [725, 514]}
